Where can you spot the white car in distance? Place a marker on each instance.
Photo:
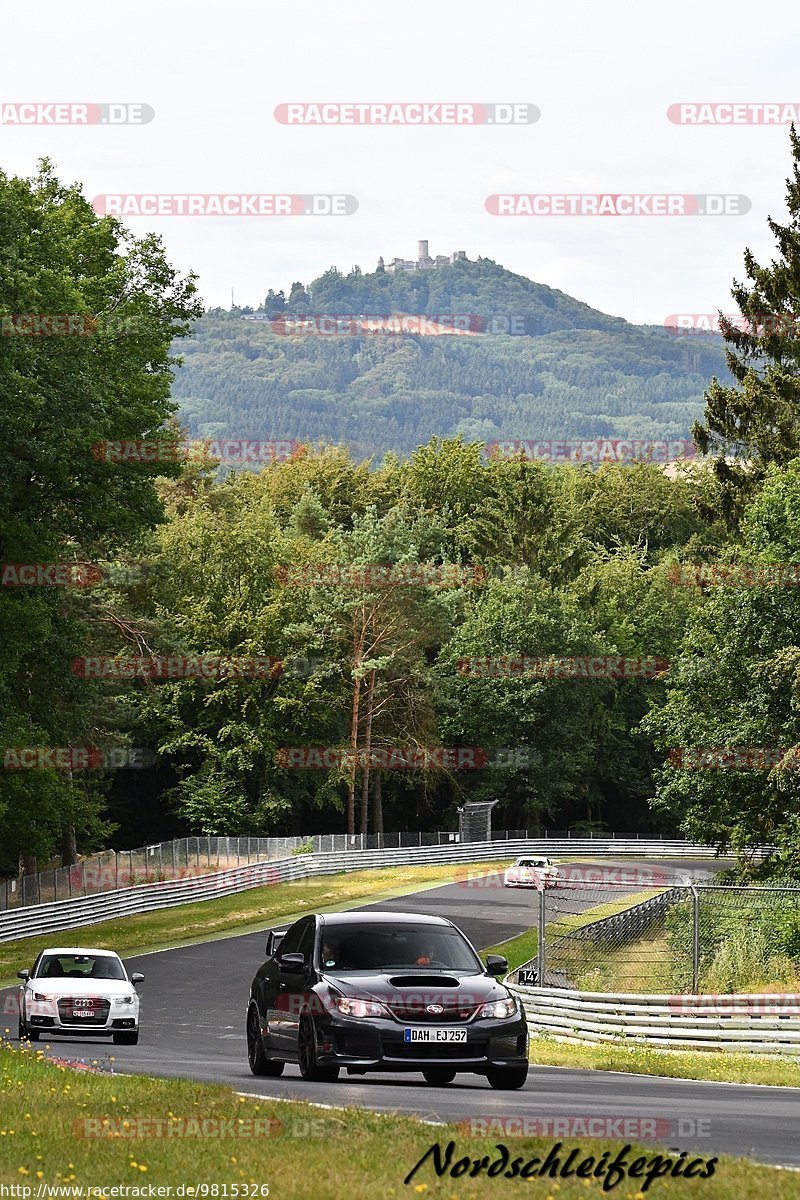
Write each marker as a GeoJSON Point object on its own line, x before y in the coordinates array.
{"type": "Point", "coordinates": [75, 992]}
{"type": "Point", "coordinates": [532, 870]}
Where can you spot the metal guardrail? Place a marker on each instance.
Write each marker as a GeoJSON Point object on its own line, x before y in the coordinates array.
{"type": "Point", "coordinates": [87, 910]}
{"type": "Point", "coordinates": [110, 870]}
{"type": "Point", "coordinates": [768, 1024]}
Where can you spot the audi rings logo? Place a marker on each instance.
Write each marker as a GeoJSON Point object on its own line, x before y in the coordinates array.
{"type": "Point", "coordinates": [435, 1008]}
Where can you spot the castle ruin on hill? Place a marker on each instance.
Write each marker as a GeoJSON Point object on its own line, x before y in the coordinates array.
{"type": "Point", "coordinates": [423, 261]}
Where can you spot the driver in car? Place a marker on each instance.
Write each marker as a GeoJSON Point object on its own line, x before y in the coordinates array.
{"type": "Point", "coordinates": [426, 955]}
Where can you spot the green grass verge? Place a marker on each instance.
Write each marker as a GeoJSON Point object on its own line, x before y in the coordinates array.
{"type": "Point", "coordinates": [298, 1151]}
{"type": "Point", "coordinates": [720, 1066]}
{"type": "Point", "coordinates": [519, 949]}
{"type": "Point", "coordinates": [242, 913]}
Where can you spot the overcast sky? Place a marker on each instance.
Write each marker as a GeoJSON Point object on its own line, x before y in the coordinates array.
{"type": "Point", "coordinates": [603, 77]}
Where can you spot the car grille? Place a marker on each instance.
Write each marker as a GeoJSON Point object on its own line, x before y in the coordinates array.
{"type": "Point", "coordinates": [96, 1010]}
{"type": "Point", "coordinates": [420, 1051]}
{"type": "Point", "coordinates": [415, 1013]}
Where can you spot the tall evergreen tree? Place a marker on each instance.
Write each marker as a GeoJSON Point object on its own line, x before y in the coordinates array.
{"type": "Point", "coordinates": [756, 421]}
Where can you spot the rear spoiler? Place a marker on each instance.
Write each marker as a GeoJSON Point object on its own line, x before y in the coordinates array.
{"type": "Point", "coordinates": [274, 939]}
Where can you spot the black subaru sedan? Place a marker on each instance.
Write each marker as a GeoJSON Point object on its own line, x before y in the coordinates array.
{"type": "Point", "coordinates": [384, 992]}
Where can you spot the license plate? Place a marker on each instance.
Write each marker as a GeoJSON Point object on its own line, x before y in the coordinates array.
{"type": "Point", "coordinates": [421, 1034]}
{"type": "Point", "coordinates": [83, 1012]}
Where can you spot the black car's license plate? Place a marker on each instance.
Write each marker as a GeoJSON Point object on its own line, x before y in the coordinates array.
{"type": "Point", "coordinates": [421, 1034]}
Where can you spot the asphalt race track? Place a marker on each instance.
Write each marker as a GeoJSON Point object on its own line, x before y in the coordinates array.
{"type": "Point", "coordinates": [193, 1025]}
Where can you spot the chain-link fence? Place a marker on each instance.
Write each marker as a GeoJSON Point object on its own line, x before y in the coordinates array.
{"type": "Point", "coordinates": [642, 936]}
{"type": "Point", "coordinates": [184, 857]}
{"type": "Point", "coordinates": [106, 872]}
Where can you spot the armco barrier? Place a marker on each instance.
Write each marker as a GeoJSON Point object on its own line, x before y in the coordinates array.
{"type": "Point", "coordinates": [752, 1023]}
{"type": "Point", "coordinates": [108, 871]}
{"type": "Point", "coordinates": [86, 910]}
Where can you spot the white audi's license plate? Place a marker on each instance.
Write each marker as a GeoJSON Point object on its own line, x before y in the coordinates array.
{"type": "Point", "coordinates": [83, 1012]}
{"type": "Point", "coordinates": [421, 1034]}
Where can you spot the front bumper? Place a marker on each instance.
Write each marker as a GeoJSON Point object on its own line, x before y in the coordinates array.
{"type": "Point", "coordinates": [54, 1017]}
{"type": "Point", "coordinates": [378, 1044]}
{"type": "Point", "coordinates": [538, 884]}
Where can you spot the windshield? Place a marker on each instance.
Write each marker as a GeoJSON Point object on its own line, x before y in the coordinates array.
{"type": "Point", "coordinates": [371, 948]}
{"type": "Point", "coordinates": [80, 966]}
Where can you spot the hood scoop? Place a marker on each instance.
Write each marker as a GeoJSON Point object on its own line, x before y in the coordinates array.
{"type": "Point", "coordinates": [419, 980]}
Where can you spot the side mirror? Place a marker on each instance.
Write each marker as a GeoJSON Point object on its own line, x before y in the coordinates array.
{"type": "Point", "coordinates": [24, 975]}
{"type": "Point", "coordinates": [274, 939]}
{"type": "Point", "coordinates": [137, 977]}
{"type": "Point", "coordinates": [496, 964]}
{"type": "Point", "coordinates": [292, 964]}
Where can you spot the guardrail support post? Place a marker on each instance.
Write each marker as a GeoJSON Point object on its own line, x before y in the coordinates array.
{"type": "Point", "coordinates": [540, 945]}
{"type": "Point", "coordinates": [695, 940]}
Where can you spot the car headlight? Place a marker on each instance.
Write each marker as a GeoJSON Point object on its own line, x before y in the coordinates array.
{"type": "Point", "coordinates": [499, 1008]}
{"type": "Point", "coordinates": [350, 1007]}
{"type": "Point", "coordinates": [125, 999]}
{"type": "Point", "coordinates": [40, 997]}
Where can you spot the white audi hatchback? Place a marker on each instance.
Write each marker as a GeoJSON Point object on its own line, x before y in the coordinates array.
{"type": "Point", "coordinates": [75, 992]}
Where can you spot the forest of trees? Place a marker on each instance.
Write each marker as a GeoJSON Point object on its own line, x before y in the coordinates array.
{"type": "Point", "coordinates": [362, 589]}
{"type": "Point", "coordinates": [573, 373]}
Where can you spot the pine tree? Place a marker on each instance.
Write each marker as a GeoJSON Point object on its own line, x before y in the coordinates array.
{"type": "Point", "coordinates": [756, 421]}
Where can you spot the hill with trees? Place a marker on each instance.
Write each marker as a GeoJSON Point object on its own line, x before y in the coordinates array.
{"type": "Point", "coordinates": [563, 370]}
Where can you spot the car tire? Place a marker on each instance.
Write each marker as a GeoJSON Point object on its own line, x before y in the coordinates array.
{"type": "Point", "coordinates": [507, 1079]}
{"type": "Point", "coordinates": [126, 1039]}
{"type": "Point", "coordinates": [310, 1069]}
{"type": "Point", "coordinates": [259, 1063]}
{"type": "Point", "coordinates": [439, 1076]}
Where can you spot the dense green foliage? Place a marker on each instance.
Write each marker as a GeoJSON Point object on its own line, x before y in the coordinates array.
{"type": "Point", "coordinates": [557, 579]}
{"type": "Point", "coordinates": [58, 502]}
